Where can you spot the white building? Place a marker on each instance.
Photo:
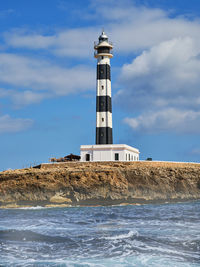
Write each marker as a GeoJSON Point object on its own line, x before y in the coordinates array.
{"type": "Point", "coordinates": [109, 153]}
{"type": "Point", "coordinates": [105, 150]}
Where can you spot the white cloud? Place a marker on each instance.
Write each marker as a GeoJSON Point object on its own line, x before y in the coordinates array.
{"type": "Point", "coordinates": [150, 29]}
{"type": "Point", "coordinates": [72, 42]}
{"type": "Point", "coordinates": [12, 125]}
{"type": "Point", "coordinates": [33, 41]}
{"type": "Point", "coordinates": [27, 97]}
{"type": "Point", "coordinates": [132, 28]}
{"type": "Point", "coordinates": [166, 75]}
{"type": "Point", "coordinates": [163, 84]}
{"type": "Point", "coordinates": [38, 79]}
{"type": "Point", "coordinates": [43, 75]}
{"type": "Point", "coordinates": [167, 120]}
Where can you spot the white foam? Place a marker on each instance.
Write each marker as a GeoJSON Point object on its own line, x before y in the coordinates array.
{"type": "Point", "coordinates": [123, 236]}
{"type": "Point", "coordinates": [41, 207]}
{"type": "Point", "coordinates": [32, 208]}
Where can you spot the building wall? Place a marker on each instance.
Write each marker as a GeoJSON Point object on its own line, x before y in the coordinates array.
{"type": "Point", "coordinates": [130, 156]}
{"type": "Point", "coordinates": [102, 155]}
{"type": "Point", "coordinates": [83, 155]}
{"type": "Point", "coordinates": [109, 154]}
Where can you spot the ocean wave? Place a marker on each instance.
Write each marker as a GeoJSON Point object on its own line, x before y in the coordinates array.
{"type": "Point", "coordinates": [150, 235]}
{"type": "Point", "coordinates": [27, 235]}
{"type": "Point", "coordinates": [122, 236]}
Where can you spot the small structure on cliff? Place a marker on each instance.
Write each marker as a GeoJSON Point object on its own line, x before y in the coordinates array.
{"type": "Point", "coordinates": [105, 150]}
{"type": "Point", "coordinates": [70, 157]}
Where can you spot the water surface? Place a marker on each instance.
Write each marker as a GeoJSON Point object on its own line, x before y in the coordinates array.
{"type": "Point", "coordinates": [146, 235]}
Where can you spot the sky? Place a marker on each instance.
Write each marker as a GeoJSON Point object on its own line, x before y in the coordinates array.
{"type": "Point", "coordinates": [48, 77]}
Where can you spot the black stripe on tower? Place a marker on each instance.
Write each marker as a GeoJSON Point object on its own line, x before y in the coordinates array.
{"type": "Point", "coordinates": [104, 135]}
{"type": "Point", "coordinates": [103, 72]}
{"type": "Point", "coordinates": [103, 104]}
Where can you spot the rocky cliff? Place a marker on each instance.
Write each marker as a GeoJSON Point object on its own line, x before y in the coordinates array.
{"type": "Point", "coordinates": [102, 183]}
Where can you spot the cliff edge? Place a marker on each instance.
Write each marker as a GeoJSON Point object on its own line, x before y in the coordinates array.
{"type": "Point", "coordinates": [99, 183]}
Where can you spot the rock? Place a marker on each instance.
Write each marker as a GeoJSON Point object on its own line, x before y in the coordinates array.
{"type": "Point", "coordinates": [100, 183]}
{"type": "Point", "coordinates": [58, 198]}
{"type": "Point", "coordinates": [57, 206]}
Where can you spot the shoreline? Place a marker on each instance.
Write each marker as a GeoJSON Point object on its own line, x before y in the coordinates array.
{"type": "Point", "coordinates": [100, 183]}
{"type": "Point", "coordinates": [96, 204]}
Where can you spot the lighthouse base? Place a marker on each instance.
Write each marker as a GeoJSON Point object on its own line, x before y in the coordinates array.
{"type": "Point", "coordinates": [114, 152]}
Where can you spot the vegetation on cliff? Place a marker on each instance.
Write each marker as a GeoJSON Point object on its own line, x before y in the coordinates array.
{"type": "Point", "coordinates": [94, 183]}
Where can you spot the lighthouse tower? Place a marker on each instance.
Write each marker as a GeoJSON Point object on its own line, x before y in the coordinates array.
{"type": "Point", "coordinates": [103, 91]}
{"type": "Point", "coordinates": [104, 149]}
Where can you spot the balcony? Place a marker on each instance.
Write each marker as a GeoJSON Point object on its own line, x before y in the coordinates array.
{"type": "Point", "coordinates": [96, 54]}
{"type": "Point", "coordinates": [108, 44]}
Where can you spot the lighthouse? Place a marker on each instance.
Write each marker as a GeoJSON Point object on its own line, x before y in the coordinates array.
{"type": "Point", "coordinates": [103, 91]}
{"type": "Point", "coordinates": [104, 149]}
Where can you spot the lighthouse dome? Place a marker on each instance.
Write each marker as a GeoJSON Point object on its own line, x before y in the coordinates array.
{"type": "Point", "coordinates": [103, 37]}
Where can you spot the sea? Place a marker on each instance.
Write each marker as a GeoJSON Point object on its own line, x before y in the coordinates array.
{"type": "Point", "coordinates": [128, 235]}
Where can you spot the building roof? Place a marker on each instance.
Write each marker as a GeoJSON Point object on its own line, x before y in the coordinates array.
{"type": "Point", "coordinates": [109, 147]}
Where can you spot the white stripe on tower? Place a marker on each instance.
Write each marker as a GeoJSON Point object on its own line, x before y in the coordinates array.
{"type": "Point", "coordinates": [103, 98]}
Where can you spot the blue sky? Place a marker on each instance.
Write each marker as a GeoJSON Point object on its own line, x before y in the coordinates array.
{"type": "Point", "coordinates": [48, 77]}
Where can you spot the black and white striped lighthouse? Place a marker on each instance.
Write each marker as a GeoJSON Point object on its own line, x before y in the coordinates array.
{"type": "Point", "coordinates": [104, 149]}
{"type": "Point", "coordinates": [103, 93]}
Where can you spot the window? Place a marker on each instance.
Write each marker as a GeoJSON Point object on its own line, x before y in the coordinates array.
{"type": "Point", "coordinates": [102, 134]}
{"type": "Point", "coordinates": [126, 157]}
{"type": "Point", "coordinates": [102, 119]}
{"type": "Point", "coordinates": [129, 157]}
{"type": "Point", "coordinates": [132, 157]}
{"type": "Point", "coordinates": [116, 156]}
{"type": "Point", "coordinates": [87, 157]}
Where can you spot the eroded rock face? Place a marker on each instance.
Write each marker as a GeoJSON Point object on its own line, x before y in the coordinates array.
{"type": "Point", "coordinates": [100, 183]}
